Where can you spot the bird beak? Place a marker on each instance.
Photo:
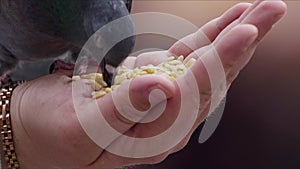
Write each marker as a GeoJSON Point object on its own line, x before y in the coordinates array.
{"type": "Point", "coordinates": [107, 74]}
{"type": "Point", "coordinates": [128, 4]}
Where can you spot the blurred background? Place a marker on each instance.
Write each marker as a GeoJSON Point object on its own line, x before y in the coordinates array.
{"type": "Point", "coordinates": [260, 126]}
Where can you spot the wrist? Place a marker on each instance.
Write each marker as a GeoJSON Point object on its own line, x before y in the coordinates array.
{"type": "Point", "coordinates": [9, 157]}
{"type": "Point", "coordinates": [19, 132]}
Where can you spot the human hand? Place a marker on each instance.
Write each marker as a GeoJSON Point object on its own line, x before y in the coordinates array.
{"type": "Point", "coordinates": [46, 127]}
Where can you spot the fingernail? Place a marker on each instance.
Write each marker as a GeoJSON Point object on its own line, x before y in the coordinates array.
{"type": "Point", "coordinates": [281, 9]}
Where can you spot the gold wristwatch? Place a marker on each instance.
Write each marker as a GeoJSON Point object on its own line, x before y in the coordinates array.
{"type": "Point", "coordinates": [8, 148]}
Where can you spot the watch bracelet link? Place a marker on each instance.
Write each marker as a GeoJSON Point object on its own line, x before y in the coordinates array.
{"type": "Point", "coordinates": [8, 148]}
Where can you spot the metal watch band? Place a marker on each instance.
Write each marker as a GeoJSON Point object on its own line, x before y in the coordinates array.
{"type": "Point", "coordinates": [8, 147]}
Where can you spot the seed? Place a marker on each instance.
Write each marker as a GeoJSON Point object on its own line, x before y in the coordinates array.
{"type": "Point", "coordinates": [181, 58]}
{"type": "Point", "coordinates": [114, 87]}
{"type": "Point", "coordinates": [175, 62]}
{"type": "Point", "coordinates": [171, 78]}
{"type": "Point", "coordinates": [148, 70]}
{"type": "Point", "coordinates": [103, 83]}
{"type": "Point", "coordinates": [95, 85]}
{"type": "Point", "coordinates": [190, 63]}
{"type": "Point", "coordinates": [170, 58]}
{"type": "Point", "coordinates": [119, 79]}
{"type": "Point", "coordinates": [89, 76]}
{"type": "Point", "coordinates": [143, 73]}
{"type": "Point", "coordinates": [170, 69]}
{"type": "Point", "coordinates": [108, 90]}
{"type": "Point", "coordinates": [75, 78]}
{"type": "Point", "coordinates": [99, 78]}
{"type": "Point", "coordinates": [98, 94]}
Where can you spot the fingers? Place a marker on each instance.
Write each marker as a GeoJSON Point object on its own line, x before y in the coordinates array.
{"type": "Point", "coordinates": [230, 51]}
{"type": "Point", "coordinates": [253, 6]}
{"type": "Point", "coordinates": [129, 62]}
{"type": "Point", "coordinates": [262, 14]}
{"type": "Point", "coordinates": [128, 104]}
{"type": "Point", "coordinates": [233, 44]}
{"type": "Point", "coordinates": [154, 58]}
{"type": "Point", "coordinates": [109, 118]}
{"type": "Point", "coordinates": [208, 32]}
{"type": "Point", "coordinates": [265, 15]}
{"type": "Point", "coordinates": [232, 47]}
{"type": "Point", "coordinates": [244, 12]}
{"type": "Point", "coordinates": [269, 12]}
{"type": "Point", "coordinates": [212, 69]}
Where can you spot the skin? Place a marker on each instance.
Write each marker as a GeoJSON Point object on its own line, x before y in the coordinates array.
{"type": "Point", "coordinates": [47, 132]}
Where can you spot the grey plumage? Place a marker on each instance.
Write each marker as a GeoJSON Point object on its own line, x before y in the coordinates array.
{"type": "Point", "coordinates": [32, 30]}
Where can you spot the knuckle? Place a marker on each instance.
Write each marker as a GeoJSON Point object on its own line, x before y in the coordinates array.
{"type": "Point", "coordinates": [242, 5]}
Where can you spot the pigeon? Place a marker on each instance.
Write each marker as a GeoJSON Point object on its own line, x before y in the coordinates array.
{"type": "Point", "coordinates": [32, 30]}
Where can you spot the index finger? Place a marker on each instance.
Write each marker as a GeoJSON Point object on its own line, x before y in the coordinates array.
{"type": "Point", "coordinates": [207, 33]}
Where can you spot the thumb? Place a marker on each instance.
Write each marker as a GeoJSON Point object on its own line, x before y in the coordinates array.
{"type": "Point", "coordinates": [106, 119]}
{"type": "Point", "coordinates": [133, 100]}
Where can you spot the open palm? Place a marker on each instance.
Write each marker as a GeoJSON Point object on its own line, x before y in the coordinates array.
{"type": "Point", "coordinates": [49, 134]}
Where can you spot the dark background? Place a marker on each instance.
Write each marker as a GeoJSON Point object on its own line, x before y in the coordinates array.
{"type": "Point", "coordinates": [260, 126]}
